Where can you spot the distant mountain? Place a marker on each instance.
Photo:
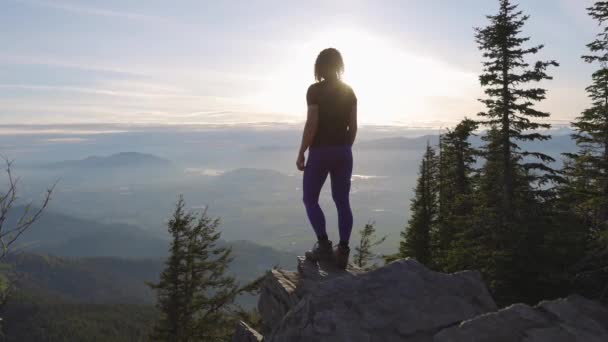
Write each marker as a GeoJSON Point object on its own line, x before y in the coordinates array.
{"type": "Point", "coordinates": [64, 235]}
{"type": "Point", "coordinates": [118, 160]}
{"type": "Point", "coordinates": [117, 280]}
{"type": "Point", "coordinates": [86, 280]}
{"type": "Point", "coordinates": [560, 142]}
{"type": "Point", "coordinates": [120, 254]}
{"type": "Point", "coordinates": [67, 236]}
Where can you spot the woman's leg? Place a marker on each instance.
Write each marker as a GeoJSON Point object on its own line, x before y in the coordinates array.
{"type": "Point", "coordinates": [340, 191]}
{"type": "Point", "coordinates": [315, 174]}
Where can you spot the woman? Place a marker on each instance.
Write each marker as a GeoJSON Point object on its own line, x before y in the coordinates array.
{"type": "Point", "coordinates": [329, 133]}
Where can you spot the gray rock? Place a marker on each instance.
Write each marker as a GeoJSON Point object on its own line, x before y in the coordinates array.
{"type": "Point", "coordinates": [245, 333]}
{"type": "Point", "coordinates": [277, 297]}
{"type": "Point", "coordinates": [282, 290]}
{"type": "Point", "coordinates": [574, 319]}
{"type": "Point", "coordinates": [403, 301]}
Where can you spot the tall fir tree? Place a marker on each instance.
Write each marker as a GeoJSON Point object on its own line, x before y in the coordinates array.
{"type": "Point", "coordinates": [170, 288]}
{"type": "Point", "coordinates": [511, 217]}
{"type": "Point", "coordinates": [591, 128]}
{"type": "Point", "coordinates": [456, 179]}
{"type": "Point", "coordinates": [585, 190]}
{"type": "Point", "coordinates": [195, 296]}
{"type": "Point", "coordinates": [416, 238]}
{"type": "Point", "coordinates": [510, 103]}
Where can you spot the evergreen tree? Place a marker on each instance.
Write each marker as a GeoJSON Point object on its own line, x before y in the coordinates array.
{"type": "Point", "coordinates": [591, 130]}
{"type": "Point", "coordinates": [510, 104]}
{"type": "Point", "coordinates": [170, 288]}
{"type": "Point", "coordinates": [585, 190]}
{"type": "Point", "coordinates": [363, 252]}
{"type": "Point", "coordinates": [416, 239]}
{"type": "Point", "coordinates": [456, 178]}
{"type": "Point", "coordinates": [195, 296]}
{"type": "Point", "coordinates": [512, 215]}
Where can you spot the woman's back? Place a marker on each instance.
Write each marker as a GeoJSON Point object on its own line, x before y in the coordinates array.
{"type": "Point", "coordinates": [335, 101]}
{"type": "Point", "coordinates": [330, 131]}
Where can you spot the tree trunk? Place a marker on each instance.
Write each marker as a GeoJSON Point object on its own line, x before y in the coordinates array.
{"type": "Point", "coordinates": [507, 198]}
{"type": "Point", "coordinates": [604, 172]}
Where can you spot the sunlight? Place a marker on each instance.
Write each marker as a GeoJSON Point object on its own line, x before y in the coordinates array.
{"type": "Point", "coordinates": [393, 85]}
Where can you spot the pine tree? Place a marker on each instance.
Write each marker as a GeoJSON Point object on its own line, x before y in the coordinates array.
{"type": "Point", "coordinates": [585, 190]}
{"type": "Point", "coordinates": [363, 252]}
{"type": "Point", "coordinates": [195, 296]}
{"type": "Point", "coordinates": [170, 288]}
{"type": "Point", "coordinates": [591, 128]}
{"type": "Point", "coordinates": [456, 178]}
{"type": "Point", "coordinates": [511, 214]}
{"type": "Point", "coordinates": [416, 239]}
{"type": "Point", "coordinates": [510, 104]}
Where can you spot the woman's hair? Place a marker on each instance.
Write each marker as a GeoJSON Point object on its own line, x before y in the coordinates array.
{"type": "Point", "coordinates": [329, 64]}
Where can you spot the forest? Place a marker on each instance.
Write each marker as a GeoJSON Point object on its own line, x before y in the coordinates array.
{"type": "Point", "coordinates": [533, 231]}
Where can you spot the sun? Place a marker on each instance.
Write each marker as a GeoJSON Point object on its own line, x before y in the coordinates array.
{"type": "Point", "coordinates": [393, 84]}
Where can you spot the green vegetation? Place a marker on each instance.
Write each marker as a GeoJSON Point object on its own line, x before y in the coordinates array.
{"type": "Point", "coordinates": [416, 241]}
{"type": "Point", "coordinates": [31, 317]}
{"type": "Point", "coordinates": [524, 225]}
{"type": "Point", "coordinates": [585, 189]}
{"type": "Point", "coordinates": [195, 295]}
{"type": "Point", "coordinates": [363, 252]}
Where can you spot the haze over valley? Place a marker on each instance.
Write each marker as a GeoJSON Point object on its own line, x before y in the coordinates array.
{"type": "Point", "coordinates": [245, 175]}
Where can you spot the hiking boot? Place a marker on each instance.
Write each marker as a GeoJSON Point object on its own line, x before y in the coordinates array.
{"type": "Point", "coordinates": [341, 256]}
{"type": "Point", "coordinates": [322, 251]}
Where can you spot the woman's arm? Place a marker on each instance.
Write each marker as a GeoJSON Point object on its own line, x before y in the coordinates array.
{"type": "Point", "coordinates": [352, 125]}
{"type": "Point", "coordinates": [310, 130]}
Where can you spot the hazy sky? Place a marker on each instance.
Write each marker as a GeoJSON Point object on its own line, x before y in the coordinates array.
{"type": "Point", "coordinates": [410, 62]}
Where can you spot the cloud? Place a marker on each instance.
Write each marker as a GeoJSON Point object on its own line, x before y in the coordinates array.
{"type": "Point", "coordinates": [89, 10]}
{"type": "Point", "coordinates": [69, 62]}
{"type": "Point", "coordinates": [67, 140]}
{"type": "Point", "coordinates": [106, 92]}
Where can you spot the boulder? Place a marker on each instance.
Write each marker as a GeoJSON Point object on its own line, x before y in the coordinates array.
{"type": "Point", "coordinates": [277, 297]}
{"type": "Point", "coordinates": [402, 301]}
{"type": "Point", "coordinates": [405, 301]}
{"type": "Point", "coordinates": [282, 290]}
{"type": "Point", "coordinates": [574, 319]}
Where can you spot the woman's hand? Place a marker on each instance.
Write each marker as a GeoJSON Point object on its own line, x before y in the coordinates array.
{"type": "Point", "coordinates": [301, 161]}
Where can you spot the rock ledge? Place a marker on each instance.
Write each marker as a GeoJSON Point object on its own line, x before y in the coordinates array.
{"type": "Point", "coordinates": [405, 301]}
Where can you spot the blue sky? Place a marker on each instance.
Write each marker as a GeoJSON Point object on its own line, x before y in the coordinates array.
{"type": "Point", "coordinates": [411, 62]}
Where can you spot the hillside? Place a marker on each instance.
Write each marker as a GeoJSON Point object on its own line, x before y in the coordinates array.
{"type": "Point", "coordinates": [29, 317]}
{"type": "Point", "coordinates": [86, 280]}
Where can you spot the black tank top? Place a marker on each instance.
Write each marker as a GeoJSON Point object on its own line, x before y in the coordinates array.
{"type": "Point", "coordinates": [335, 100]}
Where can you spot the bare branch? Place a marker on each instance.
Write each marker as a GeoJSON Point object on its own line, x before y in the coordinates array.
{"type": "Point", "coordinates": [8, 236]}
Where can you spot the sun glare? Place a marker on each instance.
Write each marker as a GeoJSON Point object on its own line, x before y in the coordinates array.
{"type": "Point", "coordinates": [394, 85]}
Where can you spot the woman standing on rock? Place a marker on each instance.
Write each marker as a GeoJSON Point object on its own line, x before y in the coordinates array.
{"type": "Point", "coordinates": [329, 133]}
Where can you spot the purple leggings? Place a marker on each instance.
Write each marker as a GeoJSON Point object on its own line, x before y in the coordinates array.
{"type": "Point", "coordinates": [337, 161]}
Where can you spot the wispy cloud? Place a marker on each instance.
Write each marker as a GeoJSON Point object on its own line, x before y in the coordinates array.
{"type": "Point", "coordinates": [63, 62]}
{"type": "Point", "coordinates": [79, 9]}
{"type": "Point", "coordinates": [106, 92]}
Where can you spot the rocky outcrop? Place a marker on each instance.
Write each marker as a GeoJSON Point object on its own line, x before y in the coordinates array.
{"type": "Point", "coordinates": [405, 301]}
{"type": "Point", "coordinates": [282, 290]}
{"type": "Point", "coordinates": [574, 319]}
